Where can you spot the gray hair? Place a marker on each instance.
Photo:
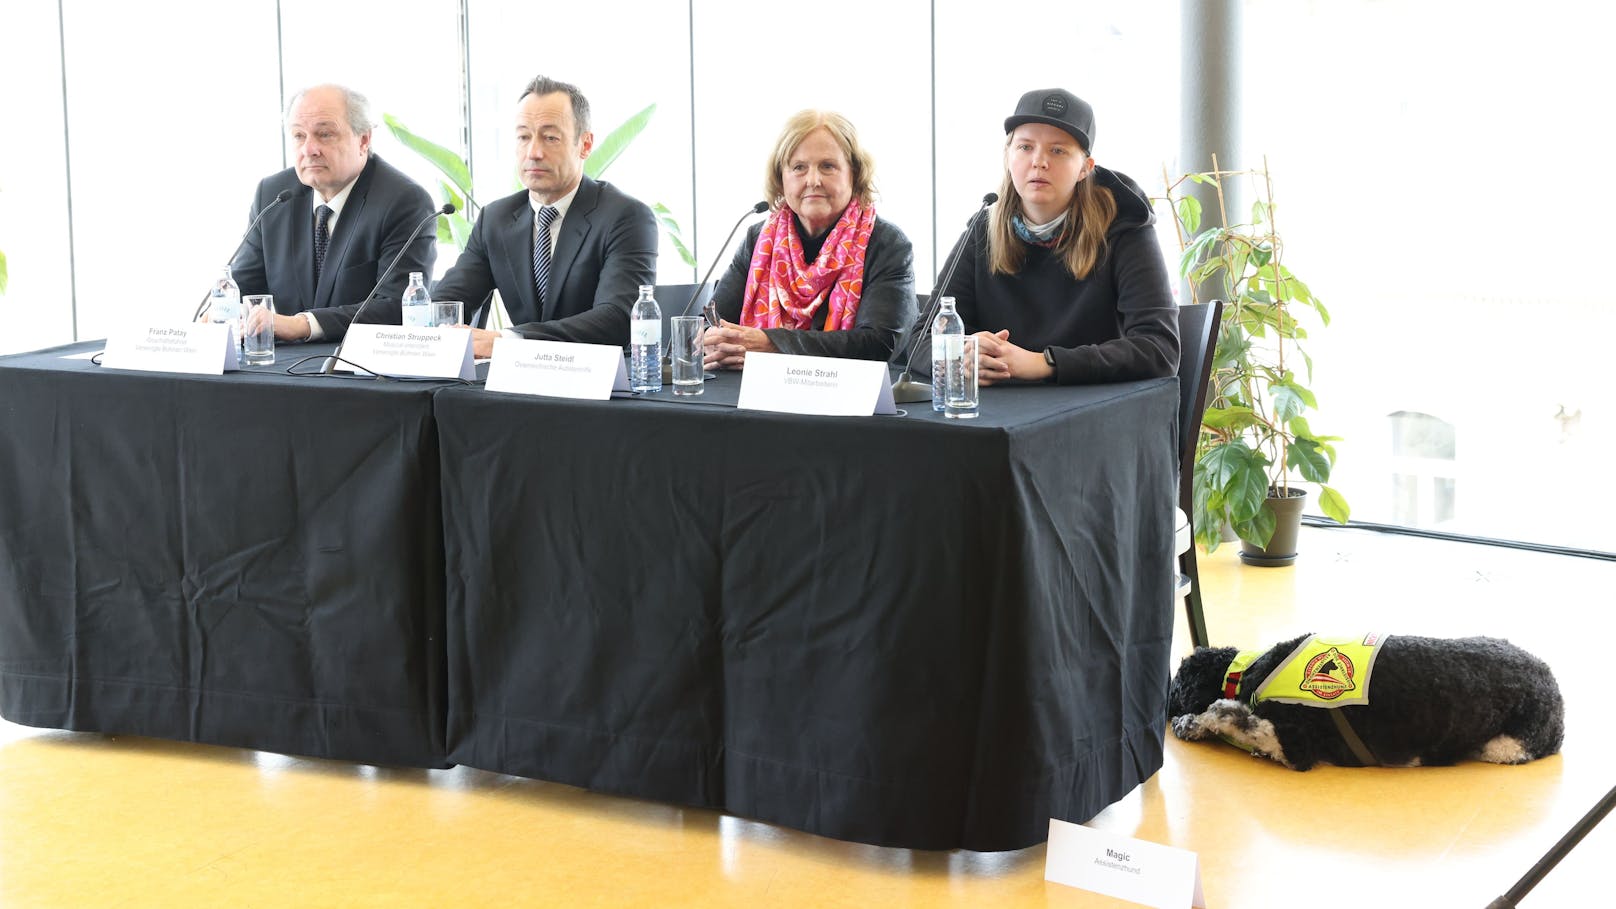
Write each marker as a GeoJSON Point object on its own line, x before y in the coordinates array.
{"type": "Point", "coordinates": [359, 119]}
{"type": "Point", "coordinates": [544, 85]}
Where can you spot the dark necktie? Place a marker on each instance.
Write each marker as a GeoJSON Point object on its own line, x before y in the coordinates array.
{"type": "Point", "coordinates": [541, 254]}
{"type": "Point", "coordinates": [322, 239]}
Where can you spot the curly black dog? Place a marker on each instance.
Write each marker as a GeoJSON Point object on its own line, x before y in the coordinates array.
{"type": "Point", "coordinates": [1432, 701]}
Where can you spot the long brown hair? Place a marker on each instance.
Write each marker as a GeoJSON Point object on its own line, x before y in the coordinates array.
{"type": "Point", "coordinates": [1082, 239]}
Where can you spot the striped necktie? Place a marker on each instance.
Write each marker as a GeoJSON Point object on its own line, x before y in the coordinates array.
{"type": "Point", "coordinates": [322, 240]}
{"type": "Point", "coordinates": [541, 253]}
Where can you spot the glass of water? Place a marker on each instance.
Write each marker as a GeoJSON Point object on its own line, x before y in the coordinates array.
{"type": "Point", "coordinates": [685, 351]}
{"type": "Point", "coordinates": [258, 329]}
{"type": "Point", "coordinates": [960, 392]}
{"type": "Point", "coordinates": [446, 313]}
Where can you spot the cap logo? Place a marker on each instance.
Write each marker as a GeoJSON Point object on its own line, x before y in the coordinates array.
{"type": "Point", "coordinates": [1054, 105]}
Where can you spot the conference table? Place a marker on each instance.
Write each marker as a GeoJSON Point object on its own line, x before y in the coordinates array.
{"type": "Point", "coordinates": [901, 630]}
{"type": "Point", "coordinates": [898, 630]}
{"type": "Point", "coordinates": [250, 559]}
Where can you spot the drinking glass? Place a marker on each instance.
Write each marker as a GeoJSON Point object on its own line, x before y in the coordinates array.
{"type": "Point", "coordinates": [685, 351]}
{"type": "Point", "coordinates": [258, 329]}
{"type": "Point", "coordinates": [446, 313]}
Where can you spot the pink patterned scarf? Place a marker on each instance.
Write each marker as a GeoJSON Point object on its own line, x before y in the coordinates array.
{"type": "Point", "coordinates": [784, 291]}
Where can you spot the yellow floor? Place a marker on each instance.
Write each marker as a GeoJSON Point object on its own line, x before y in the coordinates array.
{"type": "Point", "coordinates": [96, 821]}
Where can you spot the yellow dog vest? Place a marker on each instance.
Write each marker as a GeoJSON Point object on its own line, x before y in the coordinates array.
{"type": "Point", "coordinates": [1320, 672]}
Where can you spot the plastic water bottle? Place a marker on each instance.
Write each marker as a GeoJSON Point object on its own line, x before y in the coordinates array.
{"type": "Point", "coordinates": [224, 305]}
{"type": "Point", "coordinates": [947, 333]}
{"type": "Point", "coordinates": [417, 303]}
{"type": "Point", "coordinates": [645, 342]}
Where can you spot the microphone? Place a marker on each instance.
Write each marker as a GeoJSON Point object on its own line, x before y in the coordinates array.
{"type": "Point", "coordinates": [708, 311]}
{"type": "Point", "coordinates": [280, 197]}
{"type": "Point", "coordinates": [331, 361]}
{"type": "Point", "coordinates": [908, 390]}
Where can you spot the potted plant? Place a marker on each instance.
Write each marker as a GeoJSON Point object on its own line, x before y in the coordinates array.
{"type": "Point", "coordinates": [1256, 438]}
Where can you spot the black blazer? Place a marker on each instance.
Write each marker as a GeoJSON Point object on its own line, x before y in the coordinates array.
{"type": "Point", "coordinates": [606, 250]}
{"type": "Point", "coordinates": [382, 209]}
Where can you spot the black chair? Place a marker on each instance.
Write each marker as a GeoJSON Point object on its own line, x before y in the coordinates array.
{"type": "Point", "coordinates": [674, 300]}
{"type": "Point", "coordinates": [1198, 339]}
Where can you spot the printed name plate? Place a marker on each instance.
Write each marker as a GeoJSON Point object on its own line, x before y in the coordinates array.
{"type": "Point", "coordinates": [827, 386]}
{"type": "Point", "coordinates": [1149, 874]}
{"type": "Point", "coordinates": [557, 369]}
{"type": "Point", "coordinates": [397, 350]}
{"type": "Point", "coordinates": [205, 348]}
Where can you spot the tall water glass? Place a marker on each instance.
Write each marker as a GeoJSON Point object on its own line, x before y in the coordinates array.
{"type": "Point", "coordinates": [258, 329]}
{"type": "Point", "coordinates": [960, 394]}
{"type": "Point", "coordinates": [685, 351]}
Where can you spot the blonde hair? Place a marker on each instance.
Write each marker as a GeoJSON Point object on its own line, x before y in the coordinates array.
{"type": "Point", "coordinates": [1082, 239]}
{"type": "Point", "coordinates": [841, 130]}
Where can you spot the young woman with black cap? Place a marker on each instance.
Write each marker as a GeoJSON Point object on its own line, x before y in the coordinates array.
{"type": "Point", "coordinates": [1065, 281]}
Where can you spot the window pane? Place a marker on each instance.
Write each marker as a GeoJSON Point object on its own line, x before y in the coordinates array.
{"type": "Point", "coordinates": [1439, 194]}
{"type": "Point", "coordinates": [36, 309]}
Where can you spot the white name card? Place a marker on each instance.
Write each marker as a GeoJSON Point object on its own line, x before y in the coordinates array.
{"type": "Point", "coordinates": [556, 369]}
{"type": "Point", "coordinates": [827, 386]}
{"type": "Point", "coordinates": [397, 350]}
{"type": "Point", "coordinates": [1149, 874]}
{"type": "Point", "coordinates": [205, 348]}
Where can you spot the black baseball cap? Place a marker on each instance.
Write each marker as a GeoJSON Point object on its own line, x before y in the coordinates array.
{"type": "Point", "coordinates": [1058, 108]}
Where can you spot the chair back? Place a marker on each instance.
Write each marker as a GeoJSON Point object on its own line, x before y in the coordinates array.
{"type": "Point", "coordinates": [674, 300]}
{"type": "Point", "coordinates": [1197, 340]}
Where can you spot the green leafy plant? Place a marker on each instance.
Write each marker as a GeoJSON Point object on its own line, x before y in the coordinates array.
{"type": "Point", "coordinates": [456, 185]}
{"type": "Point", "coordinates": [1255, 435]}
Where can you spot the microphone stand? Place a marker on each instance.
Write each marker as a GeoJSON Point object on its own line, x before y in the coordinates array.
{"type": "Point", "coordinates": [1546, 864]}
{"type": "Point", "coordinates": [280, 197]}
{"type": "Point", "coordinates": [336, 355]}
{"type": "Point", "coordinates": [908, 390]}
{"type": "Point", "coordinates": [712, 317]}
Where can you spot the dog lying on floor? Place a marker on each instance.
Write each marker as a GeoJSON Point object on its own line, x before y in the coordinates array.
{"type": "Point", "coordinates": [1388, 700]}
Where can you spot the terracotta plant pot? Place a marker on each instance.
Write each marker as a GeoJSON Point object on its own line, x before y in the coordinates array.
{"type": "Point", "coordinates": [1281, 548]}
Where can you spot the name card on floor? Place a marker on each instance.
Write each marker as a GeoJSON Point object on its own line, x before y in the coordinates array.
{"type": "Point", "coordinates": [826, 386]}
{"type": "Point", "coordinates": [397, 350]}
{"type": "Point", "coordinates": [204, 348]}
{"type": "Point", "coordinates": [557, 369]}
{"type": "Point", "coordinates": [1149, 874]}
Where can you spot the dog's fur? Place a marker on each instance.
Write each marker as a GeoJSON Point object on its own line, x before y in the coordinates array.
{"type": "Point", "coordinates": [1432, 701]}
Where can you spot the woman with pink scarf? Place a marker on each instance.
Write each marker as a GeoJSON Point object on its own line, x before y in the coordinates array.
{"type": "Point", "coordinates": [822, 275]}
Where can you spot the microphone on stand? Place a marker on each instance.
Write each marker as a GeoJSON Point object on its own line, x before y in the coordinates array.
{"type": "Point", "coordinates": [908, 390]}
{"type": "Point", "coordinates": [331, 361]}
{"type": "Point", "coordinates": [709, 311]}
{"type": "Point", "coordinates": [712, 315]}
{"type": "Point", "coordinates": [280, 197]}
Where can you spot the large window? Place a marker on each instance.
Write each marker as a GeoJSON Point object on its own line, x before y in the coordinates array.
{"type": "Point", "coordinates": [1438, 174]}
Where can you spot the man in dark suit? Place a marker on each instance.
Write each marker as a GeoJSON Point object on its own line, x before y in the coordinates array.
{"type": "Point", "coordinates": [569, 254]}
{"type": "Point", "coordinates": [349, 215]}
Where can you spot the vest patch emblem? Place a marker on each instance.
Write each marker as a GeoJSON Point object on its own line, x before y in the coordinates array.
{"type": "Point", "coordinates": [1320, 672]}
{"type": "Point", "coordinates": [1328, 675]}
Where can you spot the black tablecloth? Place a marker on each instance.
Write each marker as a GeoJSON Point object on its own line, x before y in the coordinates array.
{"type": "Point", "coordinates": [895, 630]}
{"type": "Point", "coordinates": [251, 560]}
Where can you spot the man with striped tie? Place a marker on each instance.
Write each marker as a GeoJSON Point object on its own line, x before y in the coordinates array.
{"type": "Point", "coordinates": [569, 254]}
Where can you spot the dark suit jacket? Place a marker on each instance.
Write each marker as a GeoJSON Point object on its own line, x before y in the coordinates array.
{"type": "Point", "coordinates": [381, 211]}
{"type": "Point", "coordinates": [606, 250]}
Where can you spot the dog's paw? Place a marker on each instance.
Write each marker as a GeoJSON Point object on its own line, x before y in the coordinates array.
{"type": "Point", "coordinates": [1189, 728]}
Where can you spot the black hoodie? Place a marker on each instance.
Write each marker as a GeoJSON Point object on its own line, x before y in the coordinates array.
{"type": "Point", "coordinates": [1118, 324]}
